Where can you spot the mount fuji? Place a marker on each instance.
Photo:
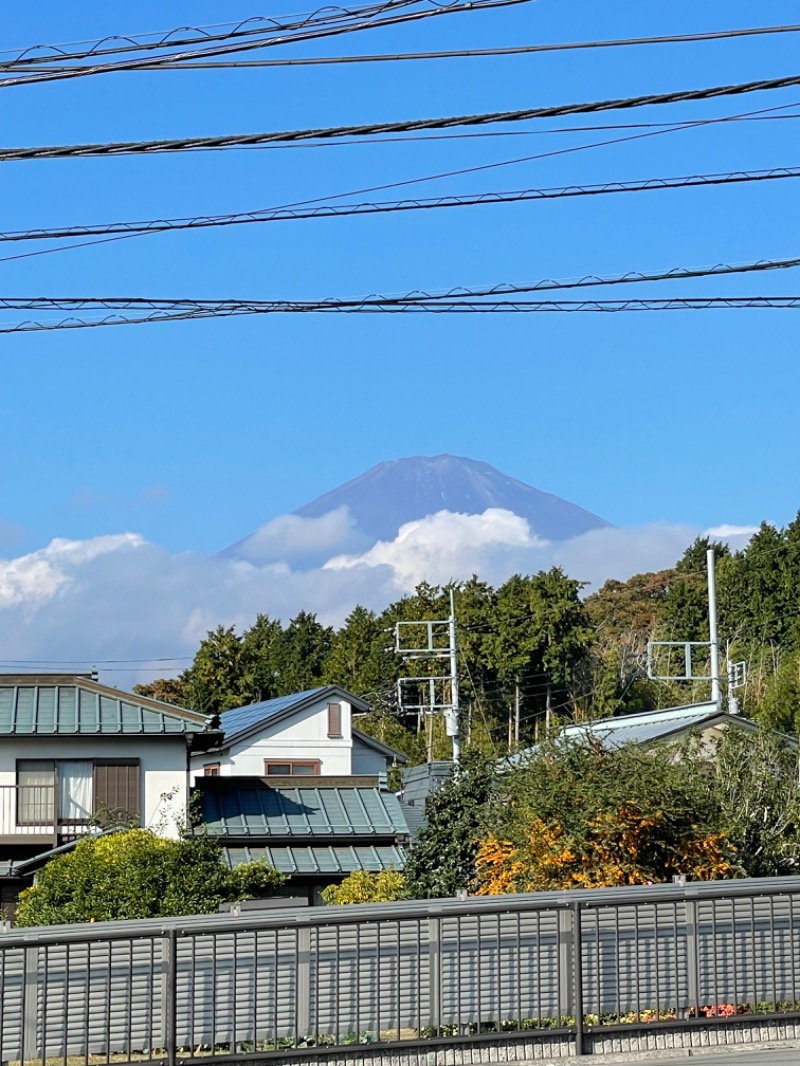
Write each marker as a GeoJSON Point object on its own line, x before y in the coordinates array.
{"type": "Point", "coordinates": [378, 502]}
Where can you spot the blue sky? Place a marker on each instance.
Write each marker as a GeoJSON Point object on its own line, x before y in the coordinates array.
{"type": "Point", "coordinates": [193, 434]}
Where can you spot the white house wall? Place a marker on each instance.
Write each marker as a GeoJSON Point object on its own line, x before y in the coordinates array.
{"type": "Point", "coordinates": [301, 737]}
{"type": "Point", "coordinates": [162, 768]}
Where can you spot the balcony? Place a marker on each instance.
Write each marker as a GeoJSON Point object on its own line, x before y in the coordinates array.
{"type": "Point", "coordinates": [29, 815]}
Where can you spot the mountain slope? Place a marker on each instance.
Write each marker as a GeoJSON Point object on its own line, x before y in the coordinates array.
{"type": "Point", "coordinates": [402, 490]}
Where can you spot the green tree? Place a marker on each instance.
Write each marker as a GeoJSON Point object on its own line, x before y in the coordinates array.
{"type": "Point", "coordinates": [684, 611]}
{"type": "Point", "coordinates": [262, 657]}
{"type": "Point", "coordinates": [755, 785]}
{"type": "Point", "coordinates": [780, 708]}
{"type": "Point", "coordinates": [306, 646]}
{"type": "Point", "coordinates": [542, 636]}
{"type": "Point", "coordinates": [359, 659]}
{"type": "Point", "coordinates": [217, 673]}
{"type": "Point", "coordinates": [136, 874]}
{"type": "Point", "coordinates": [174, 690]}
{"type": "Point", "coordinates": [577, 814]}
{"type": "Point", "coordinates": [365, 886]}
{"type": "Point", "coordinates": [442, 860]}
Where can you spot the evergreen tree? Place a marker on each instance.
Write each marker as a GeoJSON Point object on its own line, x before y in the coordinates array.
{"type": "Point", "coordinates": [217, 675]}
{"type": "Point", "coordinates": [305, 647]}
{"type": "Point", "coordinates": [262, 658]}
{"type": "Point", "coordinates": [442, 860]}
{"type": "Point", "coordinates": [359, 658]}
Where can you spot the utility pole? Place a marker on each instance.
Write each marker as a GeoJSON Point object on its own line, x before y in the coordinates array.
{"type": "Point", "coordinates": [713, 634]}
{"type": "Point", "coordinates": [736, 671]}
{"type": "Point", "coordinates": [516, 711]}
{"type": "Point", "coordinates": [454, 708]}
{"type": "Point", "coordinates": [439, 643]}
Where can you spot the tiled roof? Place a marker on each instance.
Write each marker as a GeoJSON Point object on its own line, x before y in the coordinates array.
{"type": "Point", "coordinates": [259, 810]}
{"type": "Point", "coordinates": [318, 859]}
{"type": "Point", "coordinates": [68, 706]}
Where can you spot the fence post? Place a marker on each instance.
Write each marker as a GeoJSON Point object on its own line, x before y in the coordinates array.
{"type": "Point", "coordinates": [435, 973]}
{"type": "Point", "coordinates": [30, 1007]}
{"type": "Point", "coordinates": [577, 942]}
{"type": "Point", "coordinates": [692, 956]}
{"type": "Point", "coordinates": [303, 1016]}
{"type": "Point", "coordinates": [170, 995]}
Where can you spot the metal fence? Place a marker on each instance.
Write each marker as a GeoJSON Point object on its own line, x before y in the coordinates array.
{"type": "Point", "coordinates": [310, 981]}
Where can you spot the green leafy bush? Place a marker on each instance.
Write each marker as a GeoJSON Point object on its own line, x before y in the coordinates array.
{"type": "Point", "coordinates": [362, 886]}
{"type": "Point", "coordinates": [136, 874]}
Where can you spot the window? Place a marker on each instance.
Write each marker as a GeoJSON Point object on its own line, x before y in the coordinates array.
{"type": "Point", "coordinates": [292, 769]}
{"type": "Point", "coordinates": [70, 791]}
{"type": "Point", "coordinates": [334, 719]}
{"type": "Point", "coordinates": [211, 769]}
{"type": "Point", "coordinates": [36, 792]}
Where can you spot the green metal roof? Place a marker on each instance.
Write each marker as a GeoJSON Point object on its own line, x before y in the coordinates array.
{"type": "Point", "coordinates": [22, 867]}
{"type": "Point", "coordinates": [64, 705]}
{"type": "Point", "coordinates": [256, 809]}
{"type": "Point", "coordinates": [321, 860]}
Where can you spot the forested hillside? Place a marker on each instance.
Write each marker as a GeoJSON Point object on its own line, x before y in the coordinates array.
{"type": "Point", "coordinates": [536, 641]}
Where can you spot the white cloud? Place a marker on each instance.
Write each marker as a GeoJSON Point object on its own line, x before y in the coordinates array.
{"type": "Point", "coordinates": [120, 597]}
{"type": "Point", "coordinates": [446, 545]}
{"type": "Point", "coordinates": [303, 542]}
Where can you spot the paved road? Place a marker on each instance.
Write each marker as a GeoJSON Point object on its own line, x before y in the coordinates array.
{"type": "Point", "coordinates": [772, 1056]}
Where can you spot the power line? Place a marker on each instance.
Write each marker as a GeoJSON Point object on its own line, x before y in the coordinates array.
{"type": "Point", "coordinates": [503, 289]}
{"type": "Point", "coordinates": [438, 307]}
{"type": "Point", "coordinates": [83, 660]}
{"type": "Point", "coordinates": [244, 140]}
{"type": "Point", "coordinates": [118, 44]}
{"type": "Point", "coordinates": [283, 214]}
{"type": "Point", "coordinates": [298, 32]}
{"type": "Point", "coordinates": [467, 53]}
{"type": "Point", "coordinates": [662, 128]}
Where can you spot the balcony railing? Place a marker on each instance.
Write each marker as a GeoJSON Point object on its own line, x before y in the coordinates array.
{"type": "Point", "coordinates": [32, 810]}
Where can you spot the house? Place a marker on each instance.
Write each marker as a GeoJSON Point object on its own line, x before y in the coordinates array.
{"type": "Point", "coordinates": [316, 830]}
{"type": "Point", "coordinates": [294, 783]}
{"type": "Point", "coordinates": [75, 753]}
{"type": "Point", "coordinates": [307, 734]}
{"type": "Point", "coordinates": [707, 721]}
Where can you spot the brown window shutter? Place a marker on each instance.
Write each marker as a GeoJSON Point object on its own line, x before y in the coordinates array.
{"type": "Point", "coordinates": [116, 790]}
{"type": "Point", "coordinates": [334, 719]}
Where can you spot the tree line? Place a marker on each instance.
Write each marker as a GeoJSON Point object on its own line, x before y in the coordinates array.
{"type": "Point", "coordinates": [533, 651]}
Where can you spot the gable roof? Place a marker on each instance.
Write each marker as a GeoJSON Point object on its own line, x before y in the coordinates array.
{"type": "Point", "coordinates": [241, 807]}
{"type": "Point", "coordinates": [68, 704]}
{"type": "Point", "coordinates": [242, 722]}
{"type": "Point", "coordinates": [642, 728]}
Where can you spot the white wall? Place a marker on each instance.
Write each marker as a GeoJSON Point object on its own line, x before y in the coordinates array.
{"type": "Point", "coordinates": [301, 737]}
{"type": "Point", "coordinates": [162, 767]}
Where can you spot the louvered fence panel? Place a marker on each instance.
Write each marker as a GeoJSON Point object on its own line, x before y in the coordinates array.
{"type": "Point", "coordinates": [634, 960]}
{"type": "Point", "coordinates": [369, 980]}
{"type": "Point", "coordinates": [749, 953]}
{"type": "Point", "coordinates": [237, 988]}
{"type": "Point", "coordinates": [499, 971]}
{"type": "Point", "coordinates": [98, 998]}
{"type": "Point", "coordinates": [12, 997]}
